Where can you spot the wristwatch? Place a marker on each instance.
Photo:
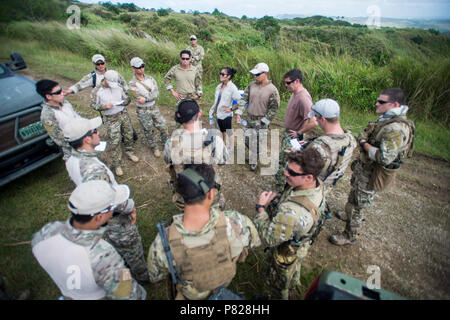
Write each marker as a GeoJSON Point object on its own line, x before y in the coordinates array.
{"type": "Point", "coordinates": [362, 143]}
{"type": "Point", "coordinates": [259, 206]}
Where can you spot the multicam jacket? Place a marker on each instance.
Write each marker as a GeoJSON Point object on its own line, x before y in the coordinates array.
{"type": "Point", "coordinates": [88, 81]}
{"type": "Point", "coordinates": [54, 119]}
{"type": "Point", "coordinates": [241, 233]}
{"type": "Point", "coordinates": [197, 55]}
{"type": "Point", "coordinates": [148, 88]}
{"type": "Point", "coordinates": [290, 219]}
{"type": "Point", "coordinates": [67, 253]}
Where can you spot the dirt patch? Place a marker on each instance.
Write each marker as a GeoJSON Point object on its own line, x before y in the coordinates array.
{"type": "Point", "coordinates": [405, 232]}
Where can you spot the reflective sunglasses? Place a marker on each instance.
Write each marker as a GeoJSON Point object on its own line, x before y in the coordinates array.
{"type": "Point", "coordinates": [223, 74]}
{"type": "Point", "coordinates": [289, 82]}
{"type": "Point", "coordinates": [383, 102]}
{"type": "Point", "coordinates": [110, 208]}
{"type": "Point", "coordinates": [99, 63]}
{"type": "Point", "coordinates": [92, 132]}
{"type": "Point", "coordinates": [292, 173]}
{"type": "Point", "coordinates": [142, 66]}
{"type": "Point", "coordinates": [56, 92]}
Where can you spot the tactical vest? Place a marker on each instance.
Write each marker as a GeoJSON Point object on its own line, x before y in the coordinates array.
{"type": "Point", "coordinates": [340, 151]}
{"type": "Point", "coordinates": [208, 266]}
{"type": "Point", "coordinates": [374, 129]}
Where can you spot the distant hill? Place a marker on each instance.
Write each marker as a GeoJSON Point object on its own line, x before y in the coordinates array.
{"type": "Point", "coordinates": [443, 25]}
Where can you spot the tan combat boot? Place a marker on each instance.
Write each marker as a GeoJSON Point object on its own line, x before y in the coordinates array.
{"type": "Point", "coordinates": [119, 171]}
{"type": "Point", "coordinates": [342, 239]}
{"type": "Point", "coordinates": [132, 157]}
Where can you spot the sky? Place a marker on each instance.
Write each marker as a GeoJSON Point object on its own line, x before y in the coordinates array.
{"type": "Point", "coordinates": [404, 9]}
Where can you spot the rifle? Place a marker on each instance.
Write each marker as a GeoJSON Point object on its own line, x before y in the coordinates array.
{"type": "Point", "coordinates": [174, 273]}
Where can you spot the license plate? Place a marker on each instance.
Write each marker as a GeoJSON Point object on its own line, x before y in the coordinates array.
{"type": "Point", "coordinates": [32, 130]}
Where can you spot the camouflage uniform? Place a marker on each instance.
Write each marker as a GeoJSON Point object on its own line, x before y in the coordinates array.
{"type": "Point", "coordinates": [188, 83]}
{"type": "Point", "coordinates": [54, 119]}
{"type": "Point", "coordinates": [104, 263]}
{"type": "Point", "coordinates": [183, 147]}
{"type": "Point", "coordinates": [118, 125]}
{"type": "Point", "coordinates": [241, 233]}
{"type": "Point", "coordinates": [387, 147]}
{"type": "Point", "coordinates": [88, 81]}
{"type": "Point", "coordinates": [277, 228]}
{"type": "Point", "coordinates": [254, 123]}
{"type": "Point", "coordinates": [84, 166]}
{"type": "Point", "coordinates": [198, 53]}
{"type": "Point", "coordinates": [336, 150]}
{"type": "Point", "coordinates": [148, 114]}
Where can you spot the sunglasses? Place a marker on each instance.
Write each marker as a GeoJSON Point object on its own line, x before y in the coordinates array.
{"type": "Point", "coordinates": [217, 186]}
{"type": "Point", "coordinates": [383, 102]}
{"type": "Point", "coordinates": [99, 63]}
{"type": "Point", "coordinates": [258, 74]}
{"type": "Point", "coordinates": [110, 208]}
{"type": "Point", "coordinates": [56, 92]}
{"type": "Point", "coordinates": [92, 132]}
{"type": "Point", "coordinates": [288, 82]}
{"type": "Point", "coordinates": [185, 58]}
{"type": "Point", "coordinates": [142, 66]}
{"type": "Point", "coordinates": [223, 74]}
{"type": "Point", "coordinates": [292, 173]}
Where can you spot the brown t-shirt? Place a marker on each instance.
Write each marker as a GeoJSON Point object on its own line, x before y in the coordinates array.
{"type": "Point", "coordinates": [297, 110]}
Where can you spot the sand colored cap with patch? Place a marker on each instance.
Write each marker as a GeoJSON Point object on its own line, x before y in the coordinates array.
{"type": "Point", "coordinates": [95, 196]}
{"type": "Point", "coordinates": [112, 77]}
{"type": "Point", "coordinates": [78, 128]}
{"type": "Point", "coordinates": [260, 68]}
{"type": "Point", "coordinates": [136, 62]}
{"type": "Point", "coordinates": [98, 57]}
{"type": "Point", "coordinates": [326, 108]}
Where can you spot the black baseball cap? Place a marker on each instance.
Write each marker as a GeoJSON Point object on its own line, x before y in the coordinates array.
{"type": "Point", "coordinates": [186, 110]}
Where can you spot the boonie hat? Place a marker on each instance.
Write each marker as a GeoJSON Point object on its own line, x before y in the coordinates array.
{"type": "Point", "coordinates": [186, 110]}
{"type": "Point", "coordinates": [77, 128]}
{"type": "Point", "coordinates": [112, 77]}
{"type": "Point", "coordinates": [136, 62]}
{"type": "Point", "coordinates": [326, 108]}
{"type": "Point", "coordinates": [193, 37]}
{"type": "Point", "coordinates": [259, 68]}
{"type": "Point", "coordinates": [94, 196]}
{"type": "Point", "coordinates": [98, 57]}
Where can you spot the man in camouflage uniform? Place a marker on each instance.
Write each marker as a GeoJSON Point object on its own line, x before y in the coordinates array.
{"type": "Point", "coordinates": [84, 166]}
{"type": "Point", "coordinates": [383, 145]}
{"type": "Point", "coordinates": [336, 146]}
{"type": "Point", "coordinates": [95, 78]}
{"type": "Point", "coordinates": [192, 144]}
{"type": "Point", "coordinates": [56, 112]}
{"type": "Point", "coordinates": [263, 101]}
{"type": "Point", "coordinates": [111, 98]}
{"type": "Point", "coordinates": [197, 53]}
{"type": "Point", "coordinates": [296, 120]}
{"type": "Point", "coordinates": [82, 265]}
{"type": "Point", "coordinates": [188, 81]}
{"type": "Point", "coordinates": [145, 89]}
{"type": "Point", "coordinates": [205, 241]}
{"type": "Point", "coordinates": [289, 223]}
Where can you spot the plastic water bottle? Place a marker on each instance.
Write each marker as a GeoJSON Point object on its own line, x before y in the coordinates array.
{"type": "Point", "coordinates": [211, 120]}
{"type": "Point", "coordinates": [243, 122]}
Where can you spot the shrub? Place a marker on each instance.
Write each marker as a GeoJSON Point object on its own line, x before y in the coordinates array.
{"type": "Point", "coordinates": [417, 39]}
{"type": "Point", "coordinates": [205, 35]}
{"type": "Point", "coordinates": [125, 17]}
{"type": "Point", "coordinates": [163, 12]}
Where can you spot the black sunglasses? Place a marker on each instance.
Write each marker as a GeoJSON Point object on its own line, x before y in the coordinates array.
{"type": "Point", "coordinates": [90, 133]}
{"type": "Point", "coordinates": [142, 66]}
{"type": "Point", "coordinates": [186, 58]}
{"type": "Point", "coordinates": [223, 74]}
{"type": "Point", "coordinates": [258, 74]}
{"type": "Point", "coordinates": [289, 82]}
{"type": "Point", "coordinates": [99, 63]}
{"type": "Point", "coordinates": [56, 92]}
{"type": "Point", "coordinates": [292, 173]}
{"type": "Point", "coordinates": [383, 102]}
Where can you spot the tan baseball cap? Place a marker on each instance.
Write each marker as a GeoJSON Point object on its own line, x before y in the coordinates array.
{"type": "Point", "coordinates": [136, 62]}
{"type": "Point", "coordinates": [112, 77]}
{"type": "Point", "coordinates": [92, 197]}
{"type": "Point", "coordinates": [326, 108]}
{"type": "Point", "coordinates": [77, 128]}
{"type": "Point", "coordinates": [98, 57]}
{"type": "Point", "coordinates": [260, 68]}
{"type": "Point", "coordinates": [193, 37]}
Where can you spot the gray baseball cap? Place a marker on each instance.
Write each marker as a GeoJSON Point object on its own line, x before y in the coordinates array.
{"type": "Point", "coordinates": [326, 108]}
{"type": "Point", "coordinates": [98, 57]}
{"type": "Point", "coordinates": [136, 62]}
{"type": "Point", "coordinates": [77, 128]}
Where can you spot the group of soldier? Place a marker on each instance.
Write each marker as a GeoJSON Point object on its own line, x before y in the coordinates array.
{"type": "Point", "coordinates": [101, 241]}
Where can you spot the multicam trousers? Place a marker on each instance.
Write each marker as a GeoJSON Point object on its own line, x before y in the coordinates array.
{"type": "Point", "coordinates": [360, 197]}
{"type": "Point", "coordinates": [282, 159]}
{"type": "Point", "coordinates": [150, 118]}
{"type": "Point", "coordinates": [253, 134]}
{"type": "Point", "coordinates": [284, 273]}
{"type": "Point", "coordinates": [118, 126]}
{"type": "Point", "coordinates": [125, 238]}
